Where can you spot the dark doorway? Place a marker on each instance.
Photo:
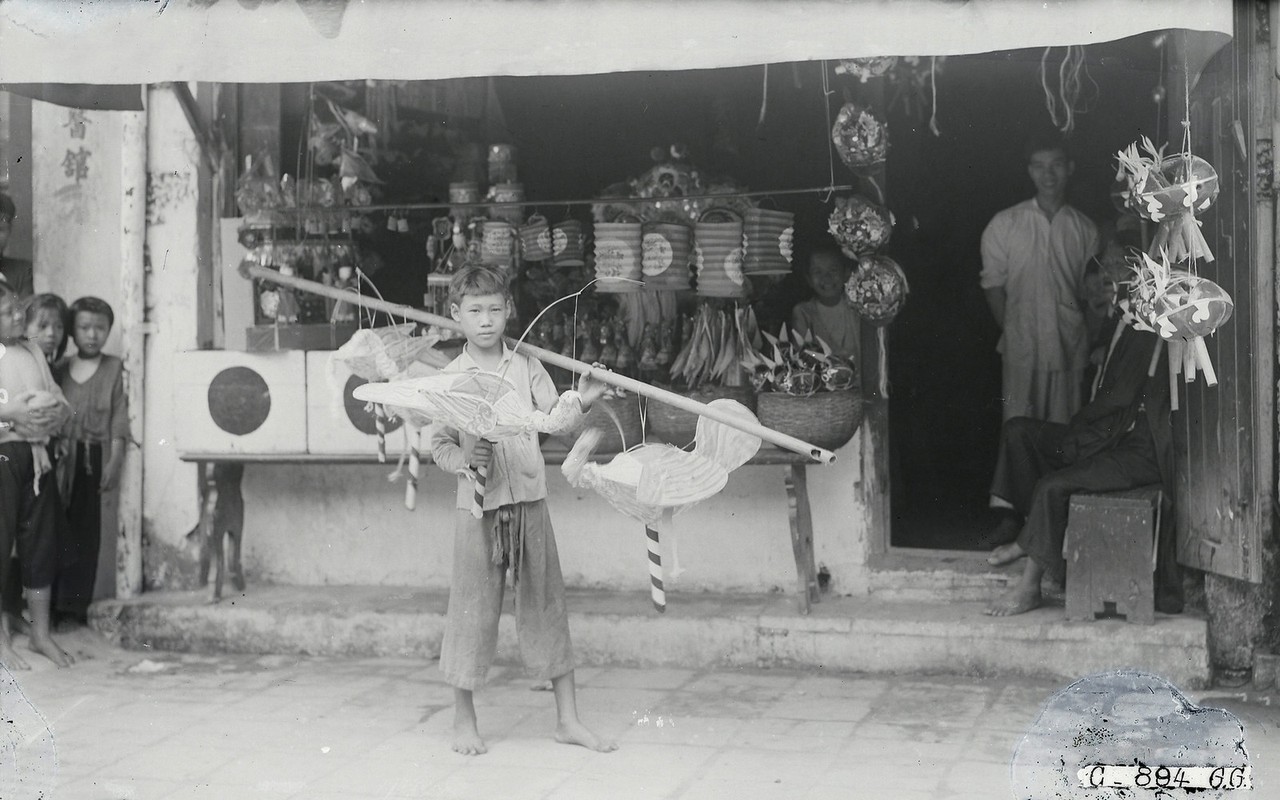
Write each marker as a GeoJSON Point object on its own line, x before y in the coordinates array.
{"type": "Point", "coordinates": [944, 409]}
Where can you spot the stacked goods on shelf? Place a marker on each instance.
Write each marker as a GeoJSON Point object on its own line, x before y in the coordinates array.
{"type": "Point", "coordinates": [617, 257]}
{"type": "Point", "coordinates": [767, 240]}
{"type": "Point", "coordinates": [718, 257]}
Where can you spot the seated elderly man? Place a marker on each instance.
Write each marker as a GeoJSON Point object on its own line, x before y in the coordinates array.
{"type": "Point", "coordinates": [1120, 439]}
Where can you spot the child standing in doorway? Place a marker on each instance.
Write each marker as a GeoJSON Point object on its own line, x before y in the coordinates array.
{"type": "Point", "coordinates": [93, 445]}
{"type": "Point", "coordinates": [28, 492]}
{"type": "Point", "coordinates": [515, 531]}
{"type": "Point", "coordinates": [828, 314]}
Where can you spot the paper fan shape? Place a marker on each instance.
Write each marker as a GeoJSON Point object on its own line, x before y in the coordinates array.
{"type": "Point", "coordinates": [650, 478]}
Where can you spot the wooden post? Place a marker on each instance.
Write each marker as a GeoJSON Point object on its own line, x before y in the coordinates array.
{"type": "Point", "coordinates": [132, 321]}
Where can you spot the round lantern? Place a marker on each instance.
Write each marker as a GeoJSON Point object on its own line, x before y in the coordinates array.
{"type": "Point", "coordinates": [860, 226]}
{"type": "Point", "coordinates": [860, 137]}
{"type": "Point", "coordinates": [1190, 307]}
{"type": "Point", "coordinates": [877, 289]}
{"type": "Point", "coordinates": [1181, 184]}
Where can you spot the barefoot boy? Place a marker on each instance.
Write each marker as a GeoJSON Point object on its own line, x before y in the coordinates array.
{"type": "Point", "coordinates": [28, 492]}
{"type": "Point", "coordinates": [514, 532]}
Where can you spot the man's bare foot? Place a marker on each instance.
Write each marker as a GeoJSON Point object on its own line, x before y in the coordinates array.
{"type": "Point", "coordinates": [18, 625]}
{"type": "Point", "coordinates": [1005, 554]}
{"type": "Point", "coordinates": [1018, 600]}
{"type": "Point", "coordinates": [575, 732]}
{"type": "Point", "coordinates": [11, 659]}
{"type": "Point", "coordinates": [47, 647]}
{"type": "Point", "coordinates": [466, 737]}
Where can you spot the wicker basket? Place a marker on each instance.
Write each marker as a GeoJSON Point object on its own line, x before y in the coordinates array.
{"type": "Point", "coordinates": [677, 426]}
{"type": "Point", "coordinates": [825, 419]}
{"type": "Point", "coordinates": [627, 410]}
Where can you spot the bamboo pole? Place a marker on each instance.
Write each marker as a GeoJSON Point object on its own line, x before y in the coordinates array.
{"type": "Point", "coordinates": [782, 440]}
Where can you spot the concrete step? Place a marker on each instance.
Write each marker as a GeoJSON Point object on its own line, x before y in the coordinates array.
{"type": "Point", "coordinates": [856, 634]}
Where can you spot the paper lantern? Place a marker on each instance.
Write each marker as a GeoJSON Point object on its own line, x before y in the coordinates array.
{"type": "Point", "coordinates": [1191, 306]}
{"type": "Point", "coordinates": [860, 226]}
{"type": "Point", "coordinates": [767, 238]}
{"type": "Point", "coordinates": [860, 137]}
{"type": "Point", "coordinates": [718, 259]}
{"type": "Point", "coordinates": [665, 252]}
{"type": "Point", "coordinates": [864, 69]}
{"type": "Point", "coordinates": [877, 289]}
{"type": "Point", "coordinates": [618, 248]}
{"type": "Point", "coordinates": [1171, 191]}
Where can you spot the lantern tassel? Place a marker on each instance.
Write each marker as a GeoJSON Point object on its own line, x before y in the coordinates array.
{"type": "Point", "coordinates": [1203, 360]}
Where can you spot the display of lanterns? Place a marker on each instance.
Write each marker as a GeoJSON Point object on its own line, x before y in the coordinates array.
{"type": "Point", "coordinates": [767, 238]}
{"type": "Point", "coordinates": [617, 251]}
{"type": "Point", "coordinates": [860, 226]}
{"type": "Point", "coordinates": [877, 289]}
{"type": "Point", "coordinates": [535, 239]}
{"type": "Point", "coordinates": [860, 137]}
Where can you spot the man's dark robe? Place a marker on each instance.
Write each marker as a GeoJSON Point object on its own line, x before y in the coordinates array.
{"type": "Point", "coordinates": [1121, 439]}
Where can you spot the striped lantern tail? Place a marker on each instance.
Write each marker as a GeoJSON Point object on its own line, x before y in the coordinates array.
{"type": "Point", "coordinates": [477, 498]}
{"type": "Point", "coordinates": [414, 440]}
{"type": "Point", "coordinates": [656, 590]}
{"type": "Point", "coordinates": [380, 425]}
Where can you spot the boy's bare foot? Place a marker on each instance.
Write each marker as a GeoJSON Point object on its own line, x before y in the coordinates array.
{"type": "Point", "coordinates": [1005, 554]}
{"type": "Point", "coordinates": [1018, 600]}
{"type": "Point", "coordinates": [10, 658]}
{"type": "Point", "coordinates": [466, 738]}
{"type": "Point", "coordinates": [47, 647]}
{"type": "Point", "coordinates": [574, 732]}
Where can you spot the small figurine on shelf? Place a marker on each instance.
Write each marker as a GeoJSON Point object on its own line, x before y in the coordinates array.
{"type": "Point", "coordinates": [648, 348]}
{"type": "Point", "coordinates": [342, 310]}
{"type": "Point", "coordinates": [625, 359]}
{"type": "Point", "coordinates": [287, 307]}
{"type": "Point", "coordinates": [608, 349]}
{"type": "Point", "coordinates": [590, 350]}
{"type": "Point", "coordinates": [667, 344]}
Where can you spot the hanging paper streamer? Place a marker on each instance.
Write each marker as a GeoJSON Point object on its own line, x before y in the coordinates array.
{"type": "Point", "coordinates": [860, 226]}
{"type": "Point", "coordinates": [1170, 191]}
{"type": "Point", "coordinates": [1182, 308]}
{"type": "Point", "coordinates": [864, 69]}
{"type": "Point", "coordinates": [877, 289]}
{"type": "Point", "coordinates": [860, 137]}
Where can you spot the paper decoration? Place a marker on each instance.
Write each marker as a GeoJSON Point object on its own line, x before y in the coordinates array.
{"type": "Point", "coordinates": [860, 137]}
{"type": "Point", "coordinates": [860, 226]}
{"type": "Point", "coordinates": [877, 289]}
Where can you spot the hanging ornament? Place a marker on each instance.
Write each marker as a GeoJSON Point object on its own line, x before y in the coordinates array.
{"type": "Point", "coordinates": [1182, 308]}
{"type": "Point", "coordinates": [877, 289]}
{"type": "Point", "coordinates": [864, 69]}
{"type": "Point", "coordinates": [1171, 191]}
{"type": "Point", "coordinates": [860, 226]}
{"type": "Point", "coordinates": [861, 138]}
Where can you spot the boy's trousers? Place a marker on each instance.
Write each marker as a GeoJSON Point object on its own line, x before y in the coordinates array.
{"type": "Point", "coordinates": [476, 592]}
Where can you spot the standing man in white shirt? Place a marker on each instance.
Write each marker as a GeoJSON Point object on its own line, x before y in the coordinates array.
{"type": "Point", "coordinates": [1033, 263]}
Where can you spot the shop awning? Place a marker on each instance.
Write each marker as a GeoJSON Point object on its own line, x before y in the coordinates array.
{"type": "Point", "coordinates": [132, 41]}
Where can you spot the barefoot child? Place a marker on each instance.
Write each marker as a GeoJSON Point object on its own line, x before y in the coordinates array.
{"type": "Point", "coordinates": [93, 384]}
{"type": "Point", "coordinates": [515, 531]}
{"type": "Point", "coordinates": [28, 492]}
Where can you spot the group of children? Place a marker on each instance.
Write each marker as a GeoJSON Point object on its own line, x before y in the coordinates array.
{"type": "Point", "coordinates": [54, 471]}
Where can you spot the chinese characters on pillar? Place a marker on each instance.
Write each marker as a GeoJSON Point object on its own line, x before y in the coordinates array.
{"type": "Point", "coordinates": [76, 162]}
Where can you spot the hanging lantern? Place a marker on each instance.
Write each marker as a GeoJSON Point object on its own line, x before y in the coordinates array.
{"type": "Point", "coordinates": [864, 69]}
{"type": "Point", "coordinates": [860, 226]}
{"type": "Point", "coordinates": [861, 138]}
{"type": "Point", "coordinates": [1182, 308]}
{"type": "Point", "coordinates": [1171, 191]}
{"type": "Point", "coordinates": [877, 289]}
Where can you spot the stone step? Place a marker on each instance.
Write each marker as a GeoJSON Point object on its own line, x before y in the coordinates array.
{"type": "Point", "coordinates": [855, 634]}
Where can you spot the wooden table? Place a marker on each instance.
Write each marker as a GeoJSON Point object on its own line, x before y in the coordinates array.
{"type": "Point", "coordinates": [222, 507]}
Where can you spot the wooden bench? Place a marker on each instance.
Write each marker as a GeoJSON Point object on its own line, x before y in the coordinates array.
{"type": "Point", "coordinates": [221, 525]}
{"type": "Point", "coordinates": [1110, 549]}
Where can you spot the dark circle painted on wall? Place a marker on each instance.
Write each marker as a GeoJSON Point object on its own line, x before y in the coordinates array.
{"type": "Point", "coordinates": [362, 419]}
{"type": "Point", "coordinates": [239, 400]}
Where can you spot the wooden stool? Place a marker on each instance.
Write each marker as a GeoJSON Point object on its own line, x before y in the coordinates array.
{"type": "Point", "coordinates": [1110, 552]}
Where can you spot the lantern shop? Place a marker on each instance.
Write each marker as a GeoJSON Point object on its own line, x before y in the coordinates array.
{"type": "Point", "coordinates": [664, 187]}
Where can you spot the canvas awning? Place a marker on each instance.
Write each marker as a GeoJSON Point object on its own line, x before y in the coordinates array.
{"type": "Point", "coordinates": [130, 41]}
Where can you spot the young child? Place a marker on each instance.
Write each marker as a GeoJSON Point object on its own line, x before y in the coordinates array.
{"type": "Point", "coordinates": [47, 325]}
{"type": "Point", "coordinates": [829, 314]}
{"type": "Point", "coordinates": [94, 386]}
{"type": "Point", "coordinates": [515, 530]}
{"type": "Point", "coordinates": [28, 493]}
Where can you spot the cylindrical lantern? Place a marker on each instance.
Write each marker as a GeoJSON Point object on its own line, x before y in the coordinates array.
{"type": "Point", "coordinates": [666, 251]}
{"type": "Point", "coordinates": [497, 243]}
{"type": "Point", "coordinates": [718, 259]}
{"type": "Point", "coordinates": [535, 239]}
{"type": "Point", "coordinates": [567, 244]}
{"type": "Point", "coordinates": [508, 193]}
{"type": "Point", "coordinates": [617, 250]}
{"type": "Point", "coordinates": [767, 238]}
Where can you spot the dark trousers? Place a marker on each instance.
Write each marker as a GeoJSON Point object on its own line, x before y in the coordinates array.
{"type": "Point", "coordinates": [28, 521]}
{"type": "Point", "coordinates": [82, 540]}
{"type": "Point", "coordinates": [1034, 475]}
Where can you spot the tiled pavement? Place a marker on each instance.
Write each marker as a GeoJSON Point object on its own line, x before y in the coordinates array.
{"type": "Point", "coordinates": [155, 725]}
